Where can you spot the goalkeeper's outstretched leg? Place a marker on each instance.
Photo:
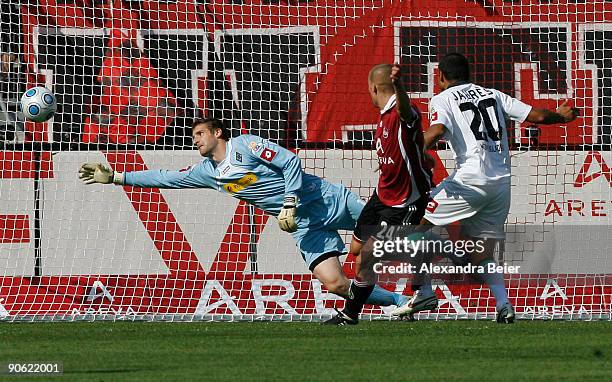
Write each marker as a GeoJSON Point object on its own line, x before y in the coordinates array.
{"type": "Point", "coordinates": [330, 273]}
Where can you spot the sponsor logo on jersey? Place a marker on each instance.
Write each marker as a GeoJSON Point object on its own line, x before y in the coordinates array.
{"type": "Point", "coordinates": [225, 170]}
{"type": "Point", "coordinates": [238, 157]}
{"type": "Point", "coordinates": [242, 183]}
{"type": "Point", "coordinates": [379, 146]}
{"type": "Point", "coordinates": [382, 159]}
{"type": "Point", "coordinates": [385, 160]}
{"type": "Point", "coordinates": [268, 154]}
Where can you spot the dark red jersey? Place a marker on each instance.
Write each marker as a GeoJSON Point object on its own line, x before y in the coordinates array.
{"type": "Point", "coordinates": [399, 146]}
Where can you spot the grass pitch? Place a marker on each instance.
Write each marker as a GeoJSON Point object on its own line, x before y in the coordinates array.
{"type": "Point", "coordinates": [371, 351]}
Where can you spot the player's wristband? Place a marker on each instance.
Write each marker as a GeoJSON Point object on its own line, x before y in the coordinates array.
{"type": "Point", "coordinates": [118, 178]}
{"type": "Point", "coordinates": [290, 201]}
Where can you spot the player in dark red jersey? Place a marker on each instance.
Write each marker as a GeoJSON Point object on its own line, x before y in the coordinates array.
{"type": "Point", "coordinates": [403, 187]}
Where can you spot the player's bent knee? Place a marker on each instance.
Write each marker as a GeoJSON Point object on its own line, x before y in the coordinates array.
{"type": "Point", "coordinates": [339, 286]}
{"type": "Point", "coordinates": [328, 270]}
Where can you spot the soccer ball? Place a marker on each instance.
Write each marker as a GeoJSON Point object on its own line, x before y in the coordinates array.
{"type": "Point", "coordinates": [38, 104]}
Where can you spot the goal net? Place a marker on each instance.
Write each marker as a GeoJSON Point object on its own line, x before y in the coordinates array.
{"type": "Point", "coordinates": [130, 76]}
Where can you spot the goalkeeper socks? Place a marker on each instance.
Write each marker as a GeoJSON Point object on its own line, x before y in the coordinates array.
{"type": "Point", "coordinates": [358, 294]}
{"type": "Point", "coordinates": [495, 281]}
{"type": "Point", "coordinates": [382, 297]}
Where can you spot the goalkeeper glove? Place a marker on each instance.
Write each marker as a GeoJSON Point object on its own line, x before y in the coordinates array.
{"type": "Point", "coordinates": [91, 173]}
{"type": "Point", "coordinates": [286, 218]}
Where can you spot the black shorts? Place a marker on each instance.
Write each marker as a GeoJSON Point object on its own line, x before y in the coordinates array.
{"type": "Point", "coordinates": [376, 214]}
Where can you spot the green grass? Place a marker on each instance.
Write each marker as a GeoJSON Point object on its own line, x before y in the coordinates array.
{"type": "Point", "coordinates": [417, 351]}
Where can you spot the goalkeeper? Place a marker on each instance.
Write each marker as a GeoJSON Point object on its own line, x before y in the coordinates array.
{"type": "Point", "coordinates": [270, 177]}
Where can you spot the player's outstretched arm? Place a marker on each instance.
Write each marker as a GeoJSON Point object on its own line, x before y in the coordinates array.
{"type": "Point", "coordinates": [91, 173]}
{"type": "Point", "coordinates": [192, 177]}
{"type": "Point", "coordinates": [563, 114]}
{"type": "Point", "coordinates": [404, 108]}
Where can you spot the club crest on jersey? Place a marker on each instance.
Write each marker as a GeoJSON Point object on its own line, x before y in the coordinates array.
{"type": "Point", "coordinates": [268, 154]}
{"type": "Point", "coordinates": [432, 205]}
{"type": "Point", "coordinates": [238, 157]}
{"type": "Point", "coordinates": [255, 147]}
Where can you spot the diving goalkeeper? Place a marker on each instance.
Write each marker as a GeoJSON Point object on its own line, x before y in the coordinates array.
{"type": "Point", "coordinates": [269, 177]}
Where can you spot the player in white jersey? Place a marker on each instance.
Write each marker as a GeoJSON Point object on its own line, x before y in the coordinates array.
{"type": "Point", "coordinates": [472, 119]}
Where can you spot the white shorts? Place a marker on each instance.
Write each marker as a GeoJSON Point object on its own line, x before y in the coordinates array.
{"type": "Point", "coordinates": [482, 210]}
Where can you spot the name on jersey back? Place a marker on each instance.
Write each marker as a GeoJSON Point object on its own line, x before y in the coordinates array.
{"type": "Point", "coordinates": [473, 94]}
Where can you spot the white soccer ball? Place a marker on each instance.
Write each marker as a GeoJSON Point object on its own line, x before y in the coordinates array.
{"type": "Point", "coordinates": [38, 104]}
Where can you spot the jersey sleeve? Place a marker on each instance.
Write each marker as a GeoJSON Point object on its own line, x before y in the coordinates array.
{"type": "Point", "coordinates": [271, 154]}
{"type": "Point", "coordinates": [417, 118]}
{"type": "Point", "coordinates": [191, 177]}
{"type": "Point", "coordinates": [515, 109]}
{"type": "Point", "coordinates": [441, 113]}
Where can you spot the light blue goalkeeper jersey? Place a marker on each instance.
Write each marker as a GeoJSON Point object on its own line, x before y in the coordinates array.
{"type": "Point", "coordinates": [254, 170]}
{"type": "Point", "coordinates": [262, 173]}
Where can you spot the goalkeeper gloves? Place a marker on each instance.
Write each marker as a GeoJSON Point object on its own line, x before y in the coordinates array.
{"type": "Point", "coordinates": [91, 173]}
{"type": "Point", "coordinates": [286, 218]}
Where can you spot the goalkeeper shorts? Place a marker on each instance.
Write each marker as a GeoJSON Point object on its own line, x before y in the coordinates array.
{"type": "Point", "coordinates": [319, 221]}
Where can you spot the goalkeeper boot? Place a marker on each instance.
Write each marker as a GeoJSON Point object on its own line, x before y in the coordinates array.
{"type": "Point", "coordinates": [416, 304]}
{"type": "Point", "coordinates": [341, 319]}
{"type": "Point", "coordinates": [505, 314]}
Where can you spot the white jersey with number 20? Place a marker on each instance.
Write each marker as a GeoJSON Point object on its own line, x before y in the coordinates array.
{"type": "Point", "coordinates": [475, 121]}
